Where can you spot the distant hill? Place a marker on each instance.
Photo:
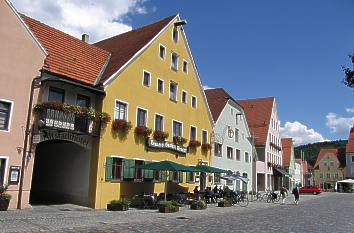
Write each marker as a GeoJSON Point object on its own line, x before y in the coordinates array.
{"type": "Point", "coordinates": [311, 150]}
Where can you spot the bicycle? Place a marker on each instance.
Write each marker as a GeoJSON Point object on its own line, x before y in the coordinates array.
{"type": "Point", "coordinates": [273, 197]}
{"type": "Point", "coordinates": [240, 198]}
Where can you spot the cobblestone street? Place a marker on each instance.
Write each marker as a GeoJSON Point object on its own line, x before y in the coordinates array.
{"type": "Point", "coordinates": [327, 212]}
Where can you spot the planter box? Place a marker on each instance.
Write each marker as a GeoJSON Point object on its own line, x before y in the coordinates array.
{"type": "Point", "coordinates": [165, 209]}
{"type": "Point", "coordinates": [224, 204]}
{"type": "Point", "coordinates": [113, 207]}
{"type": "Point", "coordinates": [4, 204]}
{"type": "Point", "coordinates": [198, 207]}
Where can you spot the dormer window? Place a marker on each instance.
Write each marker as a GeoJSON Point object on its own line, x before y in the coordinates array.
{"type": "Point", "coordinates": [175, 35]}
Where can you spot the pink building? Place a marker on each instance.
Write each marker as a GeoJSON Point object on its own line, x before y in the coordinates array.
{"type": "Point", "coordinates": [21, 59]}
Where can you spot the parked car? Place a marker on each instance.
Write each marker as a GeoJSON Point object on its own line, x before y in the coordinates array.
{"type": "Point", "coordinates": [313, 190]}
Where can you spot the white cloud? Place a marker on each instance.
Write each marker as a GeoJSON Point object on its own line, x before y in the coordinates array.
{"type": "Point", "coordinates": [99, 19]}
{"type": "Point", "coordinates": [338, 124]}
{"type": "Point", "coordinates": [300, 133]}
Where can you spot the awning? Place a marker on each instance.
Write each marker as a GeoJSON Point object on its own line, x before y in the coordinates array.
{"type": "Point", "coordinates": [207, 169]}
{"type": "Point", "coordinates": [283, 172]}
{"type": "Point", "coordinates": [349, 181]}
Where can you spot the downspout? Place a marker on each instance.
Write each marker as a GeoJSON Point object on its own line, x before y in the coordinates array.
{"type": "Point", "coordinates": [27, 133]}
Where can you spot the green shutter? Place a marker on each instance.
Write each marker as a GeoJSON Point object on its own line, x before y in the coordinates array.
{"type": "Point", "coordinates": [163, 175]}
{"type": "Point", "coordinates": [128, 168]}
{"type": "Point", "coordinates": [109, 162]}
{"type": "Point", "coordinates": [188, 177]}
{"type": "Point", "coordinates": [148, 174]}
{"type": "Point", "coordinates": [180, 177]}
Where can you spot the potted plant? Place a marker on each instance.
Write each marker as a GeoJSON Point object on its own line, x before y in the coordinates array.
{"type": "Point", "coordinates": [118, 205]}
{"type": "Point", "coordinates": [194, 143]}
{"type": "Point", "coordinates": [179, 140]}
{"type": "Point", "coordinates": [120, 124]}
{"type": "Point", "coordinates": [4, 198]}
{"type": "Point", "coordinates": [206, 146]}
{"type": "Point", "coordinates": [160, 135]}
{"type": "Point", "coordinates": [143, 130]}
{"type": "Point", "coordinates": [225, 203]}
{"type": "Point", "coordinates": [168, 207]}
{"type": "Point", "coordinates": [198, 205]}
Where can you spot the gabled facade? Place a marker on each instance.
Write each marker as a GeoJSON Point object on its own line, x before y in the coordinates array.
{"type": "Point", "coordinates": [232, 142]}
{"type": "Point", "coordinates": [262, 118]}
{"type": "Point", "coordinates": [21, 59]}
{"type": "Point", "coordinates": [327, 169]}
{"type": "Point", "coordinates": [152, 84]}
{"type": "Point", "coordinates": [298, 172]}
{"type": "Point", "coordinates": [350, 155]}
{"type": "Point", "coordinates": [288, 161]}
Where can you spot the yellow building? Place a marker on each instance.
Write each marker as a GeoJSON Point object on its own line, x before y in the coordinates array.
{"type": "Point", "coordinates": [151, 82]}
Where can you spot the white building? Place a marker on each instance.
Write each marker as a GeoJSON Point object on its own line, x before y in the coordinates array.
{"type": "Point", "coordinates": [232, 149]}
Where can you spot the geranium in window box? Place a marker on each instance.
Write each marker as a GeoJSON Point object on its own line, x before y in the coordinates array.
{"type": "Point", "coordinates": [143, 130]}
{"type": "Point", "coordinates": [160, 135]}
{"type": "Point", "coordinates": [4, 198]}
{"type": "Point", "coordinates": [118, 205]}
{"type": "Point", "coordinates": [194, 143]}
{"type": "Point", "coordinates": [179, 140]}
{"type": "Point", "coordinates": [206, 146]}
{"type": "Point", "coordinates": [120, 124]}
{"type": "Point", "coordinates": [198, 205]}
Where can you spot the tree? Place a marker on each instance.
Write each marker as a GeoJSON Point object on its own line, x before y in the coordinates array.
{"type": "Point", "coordinates": [349, 74]}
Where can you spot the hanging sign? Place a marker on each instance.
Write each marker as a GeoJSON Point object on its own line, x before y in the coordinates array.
{"type": "Point", "coordinates": [167, 145]}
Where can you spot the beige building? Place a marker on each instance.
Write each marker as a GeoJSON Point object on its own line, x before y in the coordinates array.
{"type": "Point", "coordinates": [327, 169]}
{"type": "Point", "coordinates": [21, 59]}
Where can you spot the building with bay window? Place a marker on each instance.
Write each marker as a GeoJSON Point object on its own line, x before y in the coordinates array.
{"type": "Point", "coordinates": [232, 142]}
{"type": "Point", "coordinates": [153, 91]}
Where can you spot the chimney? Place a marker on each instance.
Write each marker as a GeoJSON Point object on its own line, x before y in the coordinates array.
{"type": "Point", "coordinates": [85, 38]}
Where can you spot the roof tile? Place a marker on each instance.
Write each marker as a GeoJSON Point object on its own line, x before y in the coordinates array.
{"type": "Point", "coordinates": [287, 144]}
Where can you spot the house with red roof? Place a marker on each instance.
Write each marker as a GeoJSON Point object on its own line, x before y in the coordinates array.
{"type": "Point", "coordinates": [328, 169]}
{"type": "Point", "coordinates": [232, 149]}
{"type": "Point", "coordinates": [288, 162]}
{"type": "Point", "coordinates": [350, 155]}
{"type": "Point", "coordinates": [262, 118]}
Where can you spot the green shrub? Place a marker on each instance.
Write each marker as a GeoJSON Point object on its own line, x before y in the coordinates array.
{"type": "Point", "coordinates": [199, 203]}
{"type": "Point", "coordinates": [120, 202]}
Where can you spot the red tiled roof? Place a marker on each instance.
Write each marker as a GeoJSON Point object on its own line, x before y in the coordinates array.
{"type": "Point", "coordinates": [350, 145]}
{"type": "Point", "coordinates": [67, 55]}
{"type": "Point", "coordinates": [258, 113]}
{"type": "Point", "coordinates": [326, 151]}
{"type": "Point", "coordinates": [124, 46]}
{"type": "Point", "coordinates": [287, 144]}
{"type": "Point", "coordinates": [217, 99]}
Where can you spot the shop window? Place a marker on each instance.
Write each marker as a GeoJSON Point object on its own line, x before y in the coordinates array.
{"type": "Point", "coordinates": [190, 177]}
{"type": "Point", "coordinates": [138, 170]}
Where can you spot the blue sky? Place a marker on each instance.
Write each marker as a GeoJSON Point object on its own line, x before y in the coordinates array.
{"type": "Point", "coordinates": [292, 50]}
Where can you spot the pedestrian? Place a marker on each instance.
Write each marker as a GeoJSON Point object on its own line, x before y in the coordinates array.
{"type": "Point", "coordinates": [296, 194]}
{"type": "Point", "coordinates": [283, 193]}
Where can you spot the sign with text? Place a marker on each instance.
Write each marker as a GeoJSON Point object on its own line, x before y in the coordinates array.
{"type": "Point", "coordinates": [167, 145]}
{"type": "Point", "coordinates": [56, 135]}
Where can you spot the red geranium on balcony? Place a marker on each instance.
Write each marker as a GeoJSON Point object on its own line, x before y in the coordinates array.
{"type": "Point", "coordinates": [143, 130]}
{"type": "Point", "coordinates": [206, 146]}
{"type": "Point", "coordinates": [179, 140]}
{"type": "Point", "coordinates": [194, 143]}
{"type": "Point", "coordinates": [160, 135]}
{"type": "Point", "coordinates": [120, 124]}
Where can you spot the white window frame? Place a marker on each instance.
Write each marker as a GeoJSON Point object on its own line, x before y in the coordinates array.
{"type": "Point", "coordinates": [196, 101]}
{"type": "Point", "coordinates": [233, 154]}
{"type": "Point", "coordinates": [136, 116]}
{"type": "Point", "coordinates": [185, 61]}
{"type": "Point", "coordinates": [182, 96]}
{"type": "Point", "coordinates": [145, 71]}
{"type": "Point", "coordinates": [12, 104]}
{"type": "Point", "coordinates": [177, 122]}
{"type": "Point", "coordinates": [175, 41]}
{"type": "Point", "coordinates": [164, 56]}
{"type": "Point", "coordinates": [196, 132]}
{"type": "Point", "coordinates": [169, 91]}
{"type": "Point", "coordinates": [6, 181]}
{"type": "Point", "coordinates": [174, 68]}
{"type": "Point", "coordinates": [221, 152]}
{"type": "Point", "coordinates": [163, 85]}
{"type": "Point", "coordinates": [248, 155]}
{"type": "Point", "coordinates": [240, 160]}
{"type": "Point", "coordinates": [201, 136]}
{"type": "Point", "coordinates": [163, 121]}
{"type": "Point", "coordinates": [115, 104]}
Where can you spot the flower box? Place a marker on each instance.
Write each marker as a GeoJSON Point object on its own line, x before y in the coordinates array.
{"type": "Point", "coordinates": [168, 209]}
{"type": "Point", "coordinates": [194, 143]}
{"type": "Point", "coordinates": [118, 205]}
{"type": "Point", "coordinates": [160, 135]}
{"type": "Point", "coordinates": [120, 124]}
{"type": "Point", "coordinates": [206, 146]}
{"type": "Point", "coordinates": [143, 131]}
{"type": "Point", "coordinates": [179, 140]}
{"type": "Point", "coordinates": [198, 205]}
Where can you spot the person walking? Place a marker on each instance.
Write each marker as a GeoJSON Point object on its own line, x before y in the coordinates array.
{"type": "Point", "coordinates": [283, 193]}
{"type": "Point", "coordinates": [296, 194]}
